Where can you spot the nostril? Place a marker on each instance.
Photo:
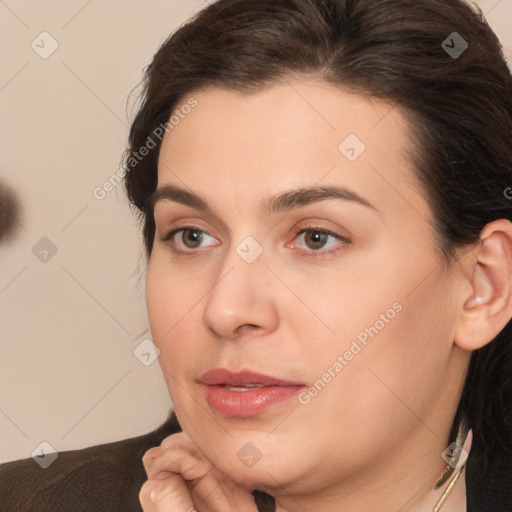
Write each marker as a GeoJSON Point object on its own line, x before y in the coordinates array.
{"type": "Point", "coordinates": [247, 327]}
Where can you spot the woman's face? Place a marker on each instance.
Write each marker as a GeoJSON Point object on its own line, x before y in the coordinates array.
{"type": "Point", "coordinates": [338, 290]}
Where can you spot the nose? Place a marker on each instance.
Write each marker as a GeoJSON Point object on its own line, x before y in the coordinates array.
{"type": "Point", "coordinates": [241, 301]}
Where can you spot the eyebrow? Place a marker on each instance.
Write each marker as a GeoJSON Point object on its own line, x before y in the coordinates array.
{"type": "Point", "coordinates": [283, 202]}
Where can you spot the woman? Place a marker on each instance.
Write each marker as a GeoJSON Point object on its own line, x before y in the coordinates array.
{"type": "Point", "coordinates": [323, 192]}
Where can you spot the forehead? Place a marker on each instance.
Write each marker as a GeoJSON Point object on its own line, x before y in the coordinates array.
{"type": "Point", "coordinates": [297, 133]}
{"type": "Point", "coordinates": [292, 109]}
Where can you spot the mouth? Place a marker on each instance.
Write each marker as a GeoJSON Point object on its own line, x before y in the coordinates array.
{"type": "Point", "coordinates": [246, 393]}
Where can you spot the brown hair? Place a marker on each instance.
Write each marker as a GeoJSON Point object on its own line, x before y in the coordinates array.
{"type": "Point", "coordinates": [411, 52]}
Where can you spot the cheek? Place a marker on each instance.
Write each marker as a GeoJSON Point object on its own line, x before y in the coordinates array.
{"type": "Point", "coordinates": [405, 369]}
{"type": "Point", "coordinates": [380, 349]}
{"type": "Point", "coordinates": [173, 314]}
{"type": "Point", "coordinates": [159, 302]}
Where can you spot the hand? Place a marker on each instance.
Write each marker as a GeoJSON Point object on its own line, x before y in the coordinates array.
{"type": "Point", "coordinates": [181, 479]}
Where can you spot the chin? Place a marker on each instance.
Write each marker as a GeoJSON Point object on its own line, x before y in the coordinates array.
{"type": "Point", "coordinates": [253, 458]}
{"type": "Point", "coordinates": [262, 478]}
{"type": "Point", "coordinates": [268, 470]}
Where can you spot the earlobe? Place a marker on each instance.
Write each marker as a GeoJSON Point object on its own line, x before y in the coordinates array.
{"type": "Point", "coordinates": [487, 310]}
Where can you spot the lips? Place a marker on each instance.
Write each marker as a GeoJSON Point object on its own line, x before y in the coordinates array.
{"type": "Point", "coordinates": [223, 377]}
{"type": "Point", "coordinates": [246, 393]}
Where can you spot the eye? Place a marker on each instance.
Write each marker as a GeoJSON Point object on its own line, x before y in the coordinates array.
{"type": "Point", "coordinates": [188, 237]}
{"type": "Point", "coordinates": [319, 241]}
{"type": "Point", "coordinates": [315, 241]}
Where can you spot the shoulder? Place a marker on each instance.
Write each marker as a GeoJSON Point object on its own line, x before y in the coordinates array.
{"type": "Point", "coordinates": [104, 477]}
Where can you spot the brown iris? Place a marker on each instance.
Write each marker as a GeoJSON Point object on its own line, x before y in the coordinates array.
{"type": "Point", "coordinates": [317, 238]}
{"type": "Point", "coordinates": [192, 238]}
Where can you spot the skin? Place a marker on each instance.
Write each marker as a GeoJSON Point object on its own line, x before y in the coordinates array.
{"type": "Point", "coordinates": [372, 438]}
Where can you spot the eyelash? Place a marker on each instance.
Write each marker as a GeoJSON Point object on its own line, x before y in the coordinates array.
{"type": "Point", "coordinates": [167, 239]}
{"type": "Point", "coordinates": [299, 230]}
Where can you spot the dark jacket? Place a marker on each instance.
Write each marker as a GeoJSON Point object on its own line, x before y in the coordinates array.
{"type": "Point", "coordinates": [108, 478]}
{"type": "Point", "coordinates": [102, 478]}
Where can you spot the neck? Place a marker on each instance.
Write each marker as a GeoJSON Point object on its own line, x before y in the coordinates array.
{"type": "Point", "coordinates": [449, 493]}
{"type": "Point", "coordinates": [455, 499]}
{"type": "Point", "coordinates": [403, 481]}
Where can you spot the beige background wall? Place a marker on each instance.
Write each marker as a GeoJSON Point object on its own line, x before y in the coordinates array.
{"type": "Point", "coordinates": [70, 321]}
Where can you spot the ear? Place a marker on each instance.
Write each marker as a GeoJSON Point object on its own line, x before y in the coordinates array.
{"type": "Point", "coordinates": [487, 308]}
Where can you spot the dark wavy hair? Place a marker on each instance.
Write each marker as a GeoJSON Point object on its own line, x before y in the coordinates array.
{"type": "Point", "coordinates": [458, 106]}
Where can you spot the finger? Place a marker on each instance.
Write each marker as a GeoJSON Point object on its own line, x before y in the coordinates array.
{"type": "Point", "coordinates": [210, 489]}
{"type": "Point", "coordinates": [178, 457]}
{"type": "Point", "coordinates": [166, 495]}
{"type": "Point", "coordinates": [160, 463]}
{"type": "Point", "coordinates": [212, 495]}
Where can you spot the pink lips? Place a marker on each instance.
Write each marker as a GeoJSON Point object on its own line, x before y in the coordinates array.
{"type": "Point", "coordinates": [256, 393]}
